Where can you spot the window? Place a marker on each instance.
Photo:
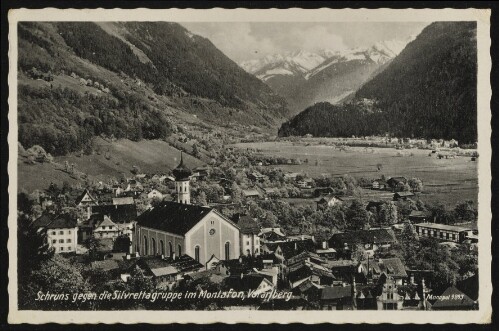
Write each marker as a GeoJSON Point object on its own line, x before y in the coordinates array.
{"type": "Point", "coordinates": [441, 235]}
{"type": "Point", "coordinates": [61, 232]}
{"type": "Point", "coordinates": [453, 236]}
{"type": "Point", "coordinates": [447, 235]}
{"type": "Point", "coordinates": [179, 250]}
{"type": "Point", "coordinates": [53, 233]}
{"type": "Point", "coordinates": [227, 250]}
{"type": "Point", "coordinates": [256, 250]}
{"type": "Point", "coordinates": [61, 241]}
{"type": "Point", "coordinates": [196, 253]}
{"type": "Point", "coordinates": [153, 246]}
{"type": "Point", "coordinates": [54, 241]}
{"type": "Point", "coordinates": [170, 247]}
{"type": "Point", "coordinates": [68, 240]}
{"type": "Point", "coordinates": [62, 248]}
{"type": "Point", "coordinates": [69, 231]}
{"type": "Point", "coordinates": [146, 248]}
{"type": "Point", "coordinates": [69, 248]}
{"type": "Point", "coordinates": [247, 243]}
{"type": "Point", "coordinates": [162, 247]}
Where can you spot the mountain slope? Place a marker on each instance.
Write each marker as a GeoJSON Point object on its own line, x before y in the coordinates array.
{"type": "Point", "coordinates": [135, 80]}
{"type": "Point", "coordinates": [428, 90]}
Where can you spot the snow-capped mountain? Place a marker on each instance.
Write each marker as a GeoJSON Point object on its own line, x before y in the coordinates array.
{"type": "Point", "coordinates": [288, 64]}
{"type": "Point", "coordinates": [304, 78]}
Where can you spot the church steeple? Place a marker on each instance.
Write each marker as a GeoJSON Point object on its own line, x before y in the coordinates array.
{"type": "Point", "coordinates": [182, 177]}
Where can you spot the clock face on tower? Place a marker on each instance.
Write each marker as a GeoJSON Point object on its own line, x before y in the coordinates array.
{"type": "Point", "coordinates": [212, 232]}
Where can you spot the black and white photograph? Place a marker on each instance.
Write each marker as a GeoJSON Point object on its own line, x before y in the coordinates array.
{"type": "Point", "coordinates": [258, 164]}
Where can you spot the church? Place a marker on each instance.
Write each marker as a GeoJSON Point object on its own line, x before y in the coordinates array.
{"type": "Point", "coordinates": [173, 229]}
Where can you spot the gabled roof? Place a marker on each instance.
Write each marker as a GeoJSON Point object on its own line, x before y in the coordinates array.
{"type": "Point", "coordinates": [246, 282]}
{"type": "Point", "coordinates": [391, 267]}
{"type": "Point", "coordinates": [107, 222]}
{"type": "Point", "coordinates": [299, 274]}
{"type": "Point", "coordinates": [292, 248]}
{"type": "Point", "coordinates": [419, 213]}
{"type": "Point", "coordinates": [82, 195]}
{"type": "Point", "coordinates": [445, 227]}
{"type": "Point", "coordinates": [451, 299]}
{"type": "Point", "coordinates": [63, 221]}
{"type": "Point", "coordinates": [173, 217]}
{"type": "Point", "coordinates": [469, 286]}
{"type": "Point", "coordinates": [251, 193]}
{"type": "Point", "coordinates": [336, 292]}
{"type": "Point", "coordinates": [364, 236]}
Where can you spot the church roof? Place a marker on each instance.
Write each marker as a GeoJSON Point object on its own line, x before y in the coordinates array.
{"type": "Point", "coordinates": [173, 217]}
{"type": "Point", "coordinates": [181, 171]}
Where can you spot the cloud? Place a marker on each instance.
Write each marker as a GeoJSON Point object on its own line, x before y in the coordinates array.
{"type": "Point", "coordinates": [318, 37]}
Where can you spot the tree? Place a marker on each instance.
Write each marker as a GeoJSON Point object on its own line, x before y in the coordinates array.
{"type": "Point", "coordinates": [195, 151]}
{"type": "Point", "coordinates": [357, 216]}
{"type": "Point", "coordinates": [201, 199]}
{"type": "Point", "coordinates": [466, 211]}
{"type": "Point", "coordinates": [416, 184]}
{"type": "Point", "coordinates": [388, 213]}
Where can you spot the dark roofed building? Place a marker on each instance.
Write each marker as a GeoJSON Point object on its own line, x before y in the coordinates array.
{"type": "Point", "coordinates": [62, 231]}
{"type": "Point", "coordinates": [256, 282]}
{"type": "Point", "coordinates": [119, 213]}
{"type": "Point", "coordinates": [402, 196]}
{"type": "Point", "coordinates": [178, 228]}
{"type": "Point", "coordinates": [336, 298]}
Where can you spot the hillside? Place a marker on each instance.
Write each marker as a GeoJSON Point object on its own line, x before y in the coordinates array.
{"type": "Point", "coordinates": [112, 159]}
{"type": "Point", "coordinates": [133, 81]}
{"type": "Point", "coordinates": [428, 90]}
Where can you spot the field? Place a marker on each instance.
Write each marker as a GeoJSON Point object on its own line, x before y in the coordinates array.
{"type": "Point", "coordinates": [447, 181]}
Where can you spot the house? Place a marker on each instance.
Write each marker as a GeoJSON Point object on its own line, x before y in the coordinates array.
{"type": "Point", "coordinates": [108, 265]}
{"type": "Point", "coordinates": [168, 270]}
{"type": "Point", "coordinates": [271, 235]}
{"type": "Point", "coordinates": [390, 298]}
{"type": "Point", "coordinates": [395, 183]}
{"type": "Point", "coordinates": [255, 282]}
{"type": "Point", "coordinates": [398, 196]}
{"type": "Point", "coordinates": [370, 240]}
{"type": "Point", "coordinates": [391, 267]}
{"type": "Point", "coordinates": [61, 230]}
{"type": "Point", "coordinates": [379, 184]}
{"type": "Point", "coordinates": [257, 177]}
{"type": "Point", "coordinates": [200, 173]}
{"type": "Point", "coordinates": [418, 216]}
{"type": "Point", "coordinates": [287, 249]}
{"type": "Point", "coordinates": [307, 290]}
{"type": "Point", "coordinates": [291, 176]}
{"type": "Point", "coordinates": [336, 298]}
{"type": "Point", "coordinates": [443, 232]}
{"type": "Point", "coordinates": [248, 230]}
{"type": "Point", "coordinates": [155, 194]}
{"type": "Point", "coordinates": [134, 186]}
{"type": "Point", "coordinates": [305, 183]}
{"type": "Point", "coordinates": [87, 201]}
{"type": "Point", "coordinates": [106, 229]}
{"type": "Point", "coordinates": [252, 194]}
{"type": "Point", "coordinates": [328, 201]}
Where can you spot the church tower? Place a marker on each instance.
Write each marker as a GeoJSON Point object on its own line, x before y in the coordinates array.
{"type": "Point", "coordinates": [182, 174]}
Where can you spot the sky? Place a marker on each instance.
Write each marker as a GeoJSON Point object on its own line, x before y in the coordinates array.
{"type": "Point", "coordinates": [243, 41]}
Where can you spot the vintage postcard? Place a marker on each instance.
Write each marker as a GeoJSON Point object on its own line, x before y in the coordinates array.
{"type": "Point", "coordinates": [258, 166]}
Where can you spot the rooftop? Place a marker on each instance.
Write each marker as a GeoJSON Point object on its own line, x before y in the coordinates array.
{"type": "Point", "coordinates": [445, 227]}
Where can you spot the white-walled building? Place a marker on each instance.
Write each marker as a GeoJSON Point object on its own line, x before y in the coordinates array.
{"type": "Point", "coordinates": [62, 231]}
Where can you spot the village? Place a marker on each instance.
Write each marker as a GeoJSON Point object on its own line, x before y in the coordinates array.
{"type": "Point", "coordinates": [222, 228]}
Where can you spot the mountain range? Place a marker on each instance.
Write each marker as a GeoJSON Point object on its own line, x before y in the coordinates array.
{"type": "Point", "coordinates": [428, 90]}
{"type": "Point", "coordinates": [135, 80]}
{"type": "Point", "coordinates": [305, 78]}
